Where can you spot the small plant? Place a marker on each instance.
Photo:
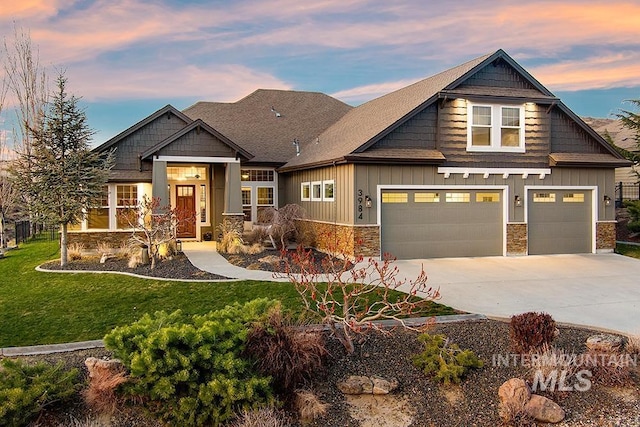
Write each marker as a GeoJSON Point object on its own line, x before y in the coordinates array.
{"type": "Point", "coordinates": [100, 395]}
{"type": "Point", "coordinates": [231, 239]}
{"type": "Point", "coordinates": [633, 344]}
{"type": "Point", "coordinates": [551, 362]}
{"type": "Point", "coordinates": [254, 249]}
{"type": "Point", "coordinates": [610, 369]}
{"type": "Point", "coordinates": [75, 251]}
{"type": "Point", "coordinates": [283, 223]}
{"type": "Point", "coordinates": [284, 352]}
{"type": "Point", "coordinates": [531, 331]}
{"type": "Point", "coordinates": [445, 361]}
{"type": "Point", "coordinates": [264, 417]}
{"type": "Point", "coordinates": [308, 406]}
{"type": "Point", "coordinates": [27, 389]}
{"type": "Point", "coordinates": [189, 369]}
{"type": "Point", "coordinates": [633, 208]}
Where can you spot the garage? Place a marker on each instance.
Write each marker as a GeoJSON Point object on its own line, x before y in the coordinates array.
{"type": "Point", "coordinates": [559, 221]}
{"type": "Point", "coordinates": [429, 223]}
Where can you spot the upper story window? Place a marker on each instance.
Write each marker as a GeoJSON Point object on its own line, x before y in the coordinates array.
{"type": "Point", "coordinates": [495, 128]}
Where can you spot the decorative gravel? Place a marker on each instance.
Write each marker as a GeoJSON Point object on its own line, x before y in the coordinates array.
{"type": "Point", "coordinates": [473, 403]}
{"type": "Point", "coordinates": [272, 260]}
{"type": "Point", "coordinates": [178, 267]}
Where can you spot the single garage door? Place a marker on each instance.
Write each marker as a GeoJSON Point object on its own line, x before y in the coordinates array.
{"type": "Point", "coordinates": [559, 222]}
{"type": "Point", "coordinates": [442, 223]}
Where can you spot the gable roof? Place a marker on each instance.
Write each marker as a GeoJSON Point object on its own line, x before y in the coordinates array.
{"type": "Point", "coordinates": [267, 121]}
{"type": "Point", "coordinates": [167, 109]}
{"type": "Point", "coordinates": [196, 124]}
{"type": "Point", "coordinates": [360, 128]}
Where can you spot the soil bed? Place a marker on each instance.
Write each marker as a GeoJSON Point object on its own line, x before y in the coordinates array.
{"type": "Point", "coordinates": [272, 260]}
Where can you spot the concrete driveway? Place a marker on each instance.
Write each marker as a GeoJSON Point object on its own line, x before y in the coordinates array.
{"type": "Point", "coordinates": [596, 290]}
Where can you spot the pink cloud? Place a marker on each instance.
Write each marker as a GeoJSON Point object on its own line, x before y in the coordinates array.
{"type": "Point", "coordinates": [367, 92]}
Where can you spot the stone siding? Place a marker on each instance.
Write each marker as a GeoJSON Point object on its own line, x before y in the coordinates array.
{"type": "Point", "coordinates": [90, 239]}
{"type": "Point", "coordinates": [348, 240]}
{"type": "Point", "coordinates": [606, 235]}
{"type": "Point", "coordinates": [516, 239]}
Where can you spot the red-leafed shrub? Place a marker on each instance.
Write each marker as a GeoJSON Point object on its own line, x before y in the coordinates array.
{"type": "Point", "coordinates": [531, 331]}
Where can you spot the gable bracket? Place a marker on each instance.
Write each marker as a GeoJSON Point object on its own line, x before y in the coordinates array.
{"type": "Point", "coordinates": [553, 104]}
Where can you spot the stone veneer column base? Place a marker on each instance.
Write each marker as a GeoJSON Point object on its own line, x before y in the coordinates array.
{"type": "Point", "coordinates": [606, 236]}
{"type": "Point", "coordinates": [348, 240]}
{"type": "Point", "coordinates": [517, 239]}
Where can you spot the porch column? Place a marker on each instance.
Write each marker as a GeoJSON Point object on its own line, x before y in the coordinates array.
{"type": "Point", "coordinates": [232, 190]}
{"type": "Point", "coordinates": [159, 183]}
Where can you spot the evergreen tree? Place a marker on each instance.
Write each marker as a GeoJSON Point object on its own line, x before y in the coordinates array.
{"type": "Point", "coordinates": [66, 177]}
{"type": "Point", "coordinates": [631, 120]}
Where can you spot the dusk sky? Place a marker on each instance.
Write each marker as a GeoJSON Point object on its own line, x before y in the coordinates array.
{"type": "Point", "coordinates": [128, 58]}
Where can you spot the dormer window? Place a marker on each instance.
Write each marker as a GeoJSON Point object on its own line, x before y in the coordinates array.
{"type": "Point", "coordinates": [495, 128]}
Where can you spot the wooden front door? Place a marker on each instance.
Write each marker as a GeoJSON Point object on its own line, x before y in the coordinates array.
{"type": "Point", "coordinates": [186, 205]}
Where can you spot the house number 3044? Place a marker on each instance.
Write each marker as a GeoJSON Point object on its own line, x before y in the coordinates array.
{"type": "Point", "coordinates": [359, 207]}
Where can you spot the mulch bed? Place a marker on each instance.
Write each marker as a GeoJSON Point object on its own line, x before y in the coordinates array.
{"type": "Point", "coordinates": [273, 260]}
{"type": "Point", "coordinates": [177, 267]}
{"type": "Point", "coordinates": [473, 403]}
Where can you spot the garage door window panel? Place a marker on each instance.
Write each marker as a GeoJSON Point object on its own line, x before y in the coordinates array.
{"type": "Point", "coordinates": [573, 198]}
{"type": "Point", "coordinates": [426, 198]}
{"type": "Point", "coordinates": [487, 197]}
{"type": "Point", "coordinates": [458, 197]}
{"type": "Point", "coordinates": [395, 198]}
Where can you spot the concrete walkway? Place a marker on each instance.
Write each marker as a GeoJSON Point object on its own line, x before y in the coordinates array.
{"type": "Point", "coordinates": [596, 290]}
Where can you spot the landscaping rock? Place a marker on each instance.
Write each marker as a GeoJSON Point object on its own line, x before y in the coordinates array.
{"type": "Point", "coordinates": [97, 367]}
{"type": "Point", "coordinates": [605, 343]}
{"type": "Point", "coordinates": [514, 392]}
{"type": "Point", "coordinates": [544, 410]}
{"type": "Point", "coordinates": [358, 384]}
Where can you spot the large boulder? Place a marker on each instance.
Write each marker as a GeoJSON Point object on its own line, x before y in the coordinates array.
{"type": "Point", "coordinates": [514, 392]}
{"type": "Point", "coordinates": [544, 410]}
{"type": "Point", "coordinates": [604, 343]}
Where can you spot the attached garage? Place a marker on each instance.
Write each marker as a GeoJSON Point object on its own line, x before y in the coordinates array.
{"type": "Point", "coordinates": [440, 223]}
{"type": "Point", "coordinates": [560, 221]}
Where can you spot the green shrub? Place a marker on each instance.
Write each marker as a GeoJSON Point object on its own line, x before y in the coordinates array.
{"type": "Point", "coordinates": [26, 389]}
{"type": "Point", "coordinates": [445, 361]}
{"type": "Point", "coordinates": [190, 370]}
{"type": "Point", "coordinates": [531, 331]}
{"type": "Point", "coordinates": [633, 209]}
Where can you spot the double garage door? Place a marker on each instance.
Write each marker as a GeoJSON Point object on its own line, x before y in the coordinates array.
{"type": "Point", "coordinates": [427, 223]}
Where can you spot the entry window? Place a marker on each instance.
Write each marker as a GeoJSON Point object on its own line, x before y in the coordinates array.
{"type": "Point", "coordinates": [127, 198]}
{"type": "Point", "coordinates": [426, 197]}
{"type": "Point", "coordinates": [203, 203]}
{"type": "Point", "coordinates": [265, 199]}
{"type": "Point", "coordinates": [495, 128]}
{"type": "Point", "coordinates": [573, 197]}
{"type": "Point", "coordinates": [246, 204]}
{"type": "Point", "coordinates": [98, 216]}
{"type": "Point", "coordinates": [458, 197]}
{"type": "Point", "coordinates": [487, 197]}
{"type": "Point", "coordinates": [544, 197]}
{"type": "Point", "coordinates": [395, 198]}
{"type": "Point", "coordinates": [316, 191]}
{"type": "Point", "coordinates": [327, 191]}
{"type": "Point", "coordinates": [305, 191]}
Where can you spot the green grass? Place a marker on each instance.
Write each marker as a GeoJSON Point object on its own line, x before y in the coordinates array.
{"type": "Point", "coordinates": [628, 250]}
{"type": "Point", "coordinates": [46, 308]}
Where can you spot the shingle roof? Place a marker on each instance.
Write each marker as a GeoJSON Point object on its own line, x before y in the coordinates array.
{"type": "Point", "coordinates": [370, 120]}
{"type": "Point", "coordinates": [586, 160]}
{"type": "Point", "coordinates": [269, 135]}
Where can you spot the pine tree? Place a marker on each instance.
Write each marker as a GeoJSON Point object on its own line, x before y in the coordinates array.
{"type": "Point", "coordinates": [66, 177]}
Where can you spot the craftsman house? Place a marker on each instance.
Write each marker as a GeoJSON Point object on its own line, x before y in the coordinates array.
{"type": "Point", "coordinates": [478, 160]}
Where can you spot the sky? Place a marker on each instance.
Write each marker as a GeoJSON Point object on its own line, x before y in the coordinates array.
{"type": "Point", "coordinates": [129, 58]}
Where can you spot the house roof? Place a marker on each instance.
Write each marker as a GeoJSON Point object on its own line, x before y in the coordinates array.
{"type": "Point", "coordinates": [364, 125]}
{"type": "Point", "coordinates": [586, 160]}
{"type": "Point", "coordinates": [266, 122]}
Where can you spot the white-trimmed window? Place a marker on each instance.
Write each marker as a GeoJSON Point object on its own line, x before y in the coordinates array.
{"type": "Point", "coordinates": [126, 202]}
{"type": "Point", "coordinates": [328, 188]}
{"type": "Point", "coordinates": [316, 191]}
{"type": "Point", "coordinates": [495, 128]}
{"type": "Point", "coordinates": [305, 191]}
{"type": "Point", "coordinates": [98, 216]}
{"type": "Point", "coordinates": [265, 199]}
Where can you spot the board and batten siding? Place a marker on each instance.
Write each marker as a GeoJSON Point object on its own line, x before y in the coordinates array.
{"type": "Point", "coordinates": [131, 146]}
{"type": "Point", "coordinates": [368, 177]}
{"type": "Point", "coordinates": [340, 211]}
{"type": "Point", "coordinates": [452, 139]}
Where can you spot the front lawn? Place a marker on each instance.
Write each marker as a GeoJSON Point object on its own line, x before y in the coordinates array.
{"type": "Point", "coordinates": [628, 250]}
{"type": "Point", "coordinates": [45, 308]}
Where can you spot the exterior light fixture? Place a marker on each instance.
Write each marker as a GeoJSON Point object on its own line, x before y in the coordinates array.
{"type": "Point", "coordinates": [367, 201]}
{"type": "Point", "coordinates": [607, 200]}
{"type": "Point", "coordinates": [178, 245]}
{"type": "Point", "coordinates": [518, 200]}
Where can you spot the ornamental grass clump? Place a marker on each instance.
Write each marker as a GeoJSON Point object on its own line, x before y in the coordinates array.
{"type": "Point", "coordinates": [443, 360]}
{"type": "Point", "coordinates": [189, 370]}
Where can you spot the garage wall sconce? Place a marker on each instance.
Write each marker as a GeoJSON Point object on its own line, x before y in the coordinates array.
{"type": "Point", "coordinates": [607, 200]}
{"type": "Point", "coordinates": [367, 201]}
{"type": "Point", "coordinates": [518, 200]}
